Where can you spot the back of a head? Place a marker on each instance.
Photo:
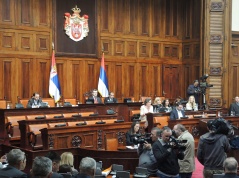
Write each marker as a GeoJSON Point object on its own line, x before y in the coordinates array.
{"type": "Point", "coordinates": [88, 166]}
{"type": "Point", "coordinates": [41, 167]}
{"type": "Point", "coordinates": [53, 156]}
{"type": "Point", "coordinates": [230, 165]}
{"type": "Point", "coordinates": [67, 158]}
{"type": "Point", "coordinates": [15, 156]}
{"type": "Point", "coordinates": [65, 168]}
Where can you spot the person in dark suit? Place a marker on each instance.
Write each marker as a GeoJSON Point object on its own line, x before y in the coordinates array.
{"type": "Point", "coordinates": [35, 101]}
{"type": "Point", "coordinates": [194, 90]}
{"type": "Point", "coordinates": [16, 162]}
{"type": "Point", "coordinates": [111, 98]}
{"type": "Point", "coordinates": [230, 168]}
{"type": "Point", "coordinates": [41, 167]}
{"type": "Point", "coordinates": [87, 168]}
{"type": "Point", "coordinates": [177, 112]}
{"type": "Point", "coordinates": [94, 97]}
{"type": "Point", "coordinates": [55, 158]}
{"type": "Point", "coordinates": [234, 107]}
{"type": "Point", "coordinates": [134, 130]}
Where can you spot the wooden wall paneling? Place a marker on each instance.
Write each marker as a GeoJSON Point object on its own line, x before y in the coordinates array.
{"type": "Point", "coordinates": [25, 42]}
{"type": "Point", "coordinates": [119, 16]}
{"type": "Point", "coordinates": [42, 84]}
{"type": "Point", "coordinates": [145, 20]}
{"type": "Point", "coordinates": [144, 49]}
{"type": "Point", "coordinates": [187, 79]}
{"type": "Point", "coordinates": [155, 50]}
{"type": "Point", "coordinates": [27, 78]}
{"type": "Point", "coordinates": [155, 84]}
{"type": "Point", "coordinates": [1, 77]}
{"type": "Point", "coordinates": [144, 80]}
{"type": "Point", "coordinates": [7, 12]}
{"type": "Point", "coordinates": [104, 17]}
{"type": "Point", "coordinates": [196, 15]}
{"type": "Point", "coordinates": [43, 44]}
{"type": "Point", "coordinates": [119, 48]}
{"type": "Point", "coordinates": [133, 17]}
{"type": "Point", "coordinates": [156, 17]}
{"type": "Point", "coordinates": [8, 40]}
{"type": "Point", "coordinates": [25, 12]}
{"type": "Point", "coordinates": [74, 81]}
{"type": "Point", "coordinates": [119, 73]}
{"type": "Point", "coordinates": [131, 48]}
{"type": "Point", "coordinates": [8, 78]}
{"type": "Point", "coordinates": [92, 75]}
{"type": "Point", "coordinates": [107, 46]}
{"type": "Point", "coordinates": [176, 18]}
{"type": "Point", "coordinates": [233, 83]}
{"type": "Point", "coordinates": [43, 13]}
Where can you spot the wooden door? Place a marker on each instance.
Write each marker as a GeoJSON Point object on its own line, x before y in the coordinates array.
{"type": "Point", "coordinates": [171, 86]}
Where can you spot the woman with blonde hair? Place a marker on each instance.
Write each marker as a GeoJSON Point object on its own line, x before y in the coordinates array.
{"type": "Point", "coordinates": [157, 104]}
{"type": "Point", "coordinates": [67, 158]}
{"type": "Point", "coordinates": [191, 104]}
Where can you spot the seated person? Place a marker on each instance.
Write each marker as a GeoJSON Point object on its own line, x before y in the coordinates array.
{"type": "Point", "coordinates": [157, 104]}
{"type": "Point", "coordinates": [177, 112]}
{"type": "Point", "coordinates": [67, 158]}
{"type": "Point", "coordinates": [166, 105]}
{"type": "Point", "coordinates": [110, 98]}
{"type": "Point", "coordinates": [234, 107]}
{"type": "Point", "coordinates": [87, 168]}
{"type": "Point", "coordinates": [65, 168]}
{"type": "Point", "coordinates": [131, 133]}
{"type": "Point", "coordinates": [35, 101]}
{"type": "Point", "coordinates": [230, 168]}
{"type": "Point", "coordinates": [191, 104]}
{"type": "Point", "coordinates": [42, 167]}
{"type": "Point", "coordinates": [95, 97]}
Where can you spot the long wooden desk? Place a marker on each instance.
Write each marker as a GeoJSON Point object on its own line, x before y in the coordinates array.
{"type": "Point", "coordinates": [24, 124]}
{"type": "Point", "coordinates": [121, 109]}
{"type": "Point", "coordinates": [89, 136]}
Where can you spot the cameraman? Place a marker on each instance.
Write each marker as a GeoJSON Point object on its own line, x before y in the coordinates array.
{"type": "Point", "coordinates": [194, 90]}
{"type": "Point", "coordinates": [187, 165]}
{"type": "Point", "coordinates": [145, 152]}
{"type": "Point", "coordinates": [167, 155]}
{"type": "Point", "coordinates": [212, 149]}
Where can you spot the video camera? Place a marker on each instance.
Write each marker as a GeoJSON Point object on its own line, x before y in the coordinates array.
{"type": "Point", "coordinates": [203, 85]}
{"type": "Point", "coordinates": [221, 126]}
{"type": "Point", "coordinates": [176, 143]}
{"type": "Point", "coordinates": [141, 139]}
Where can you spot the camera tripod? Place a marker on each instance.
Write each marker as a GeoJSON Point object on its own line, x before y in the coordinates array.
{"type": "Point", "coordinates": [204, 103]}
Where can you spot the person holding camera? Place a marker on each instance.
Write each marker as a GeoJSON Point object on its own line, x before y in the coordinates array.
{"type": "Point", "coordinates": [194, 89]}
{"type": "Point", "coordinates": [167, 154]}
{"type": "Point", "coordinates": [187, 165]}
{"type": "Point", "coordinates": [212, 149]}
{"type": "Point", "coordinates": [145, 152]}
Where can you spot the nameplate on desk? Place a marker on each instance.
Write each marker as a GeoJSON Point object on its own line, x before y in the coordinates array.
{"type": "Point", "coordinates": [119, 121]}
{"type": "Point", "coordinates": [76, 115]}
{"type": "Point", "coordinates": [81, 123]}
{"type": "Point", "coordinates": [40, 117]}
{"type": "Point", "coordinates": [56, 117]}
{"type": "Point", "coordinates": [60, 125]}
{"type": "Point", "coordinates": [100, 122]}
{"type": "Point", "coordinates": [94, 114]}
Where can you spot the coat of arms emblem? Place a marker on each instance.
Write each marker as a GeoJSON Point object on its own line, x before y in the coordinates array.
{"type": "Point", "coordinates": [76, 27]}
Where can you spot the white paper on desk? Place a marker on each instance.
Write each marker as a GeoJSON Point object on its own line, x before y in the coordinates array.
{"type": "Point", "coordinates": [132, 147]}
{"type": "Point", "coordinates": [105, 173]}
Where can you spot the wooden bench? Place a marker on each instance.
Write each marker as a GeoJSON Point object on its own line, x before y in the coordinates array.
{"type": "Point", "coordinates": [34, 135]}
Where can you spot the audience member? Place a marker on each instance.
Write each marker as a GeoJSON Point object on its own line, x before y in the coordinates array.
{"type": "Point", "coordinates": [67, 158]}
{"type": "Point", "coordinates": [55, 158]}
{"type": "Point", "coordinates": [87, 168]}
{"type": "Point", "coordinates": [41, 167]}
{"type": "Point", "coordinates": [211, 152]}
{"type": "Point", "coordinates": [234, 107]}
{"type": "Point", "coordinates": [166, 155]}
{"type": "Point", "coordinates": [35, 101]}
{"type": "Point", "coordinates": [187, 165]}
{"type": "Point", "coordinates": [230, 168]}
{"type": "Point", "coordinates": [95, 97]}
{"type": "Point", "coordinates": [111, 98]}
{"type": "Point", "coordinates": [194, 90]}
{"type": "Point", "coordinates": [133, 131]}
{"type": "Point", "coordinates": [191, 104]}
{"type": "Point", "coordinates": [16, 163]}
{"type": "Point", "coordinates": [157, 106]}
{"type": "Point", "coordinates": [177, 112]}
{"type": "Point", "coordinates": [65, 168]}
{"type": "Point", "coordinates": [146, 156]}
{"type": "Point", "coordinates": [3, 161]}
{"type": "Point", "coordinates": [166, 105]}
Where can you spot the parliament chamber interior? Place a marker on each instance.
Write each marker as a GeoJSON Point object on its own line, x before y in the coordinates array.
{"type": "Point", "coordinates": [153, 48]}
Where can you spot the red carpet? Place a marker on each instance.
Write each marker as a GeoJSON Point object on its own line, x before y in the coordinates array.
{"type": "Point", "coordinates": [198, 173]}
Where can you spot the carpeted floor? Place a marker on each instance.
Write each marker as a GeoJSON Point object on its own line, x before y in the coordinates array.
{"type": "Point", "coordinates": [198, 173]}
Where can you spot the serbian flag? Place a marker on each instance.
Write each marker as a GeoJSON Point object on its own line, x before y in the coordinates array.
{"type": "Point", "coordinates": [103, 80]}
{"type": "Point", "coordinates": [54, 85]}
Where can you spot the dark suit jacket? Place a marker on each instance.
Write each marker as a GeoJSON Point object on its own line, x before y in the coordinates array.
{"type": "Point", "coordinates": [31, 101]}
{"type": "Point", "coordinates": [82, 176]}
{"type": "Point", "coordinates": [174, 114]}
{"type": "Point", "coordinates": [234, 107]}
{"type": "Point", "coordinates": [11, 171]}
{"type": "Point", "coordinates": [228, 175]}
{"type": "Point", "coordinates": [56, 175]}
{"type": "Point", "coordinates": [107, 100]}
{"type": "Point", "coordinates": [192, 90]}
{"type": "Point", "coordinates": [98, 99]}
